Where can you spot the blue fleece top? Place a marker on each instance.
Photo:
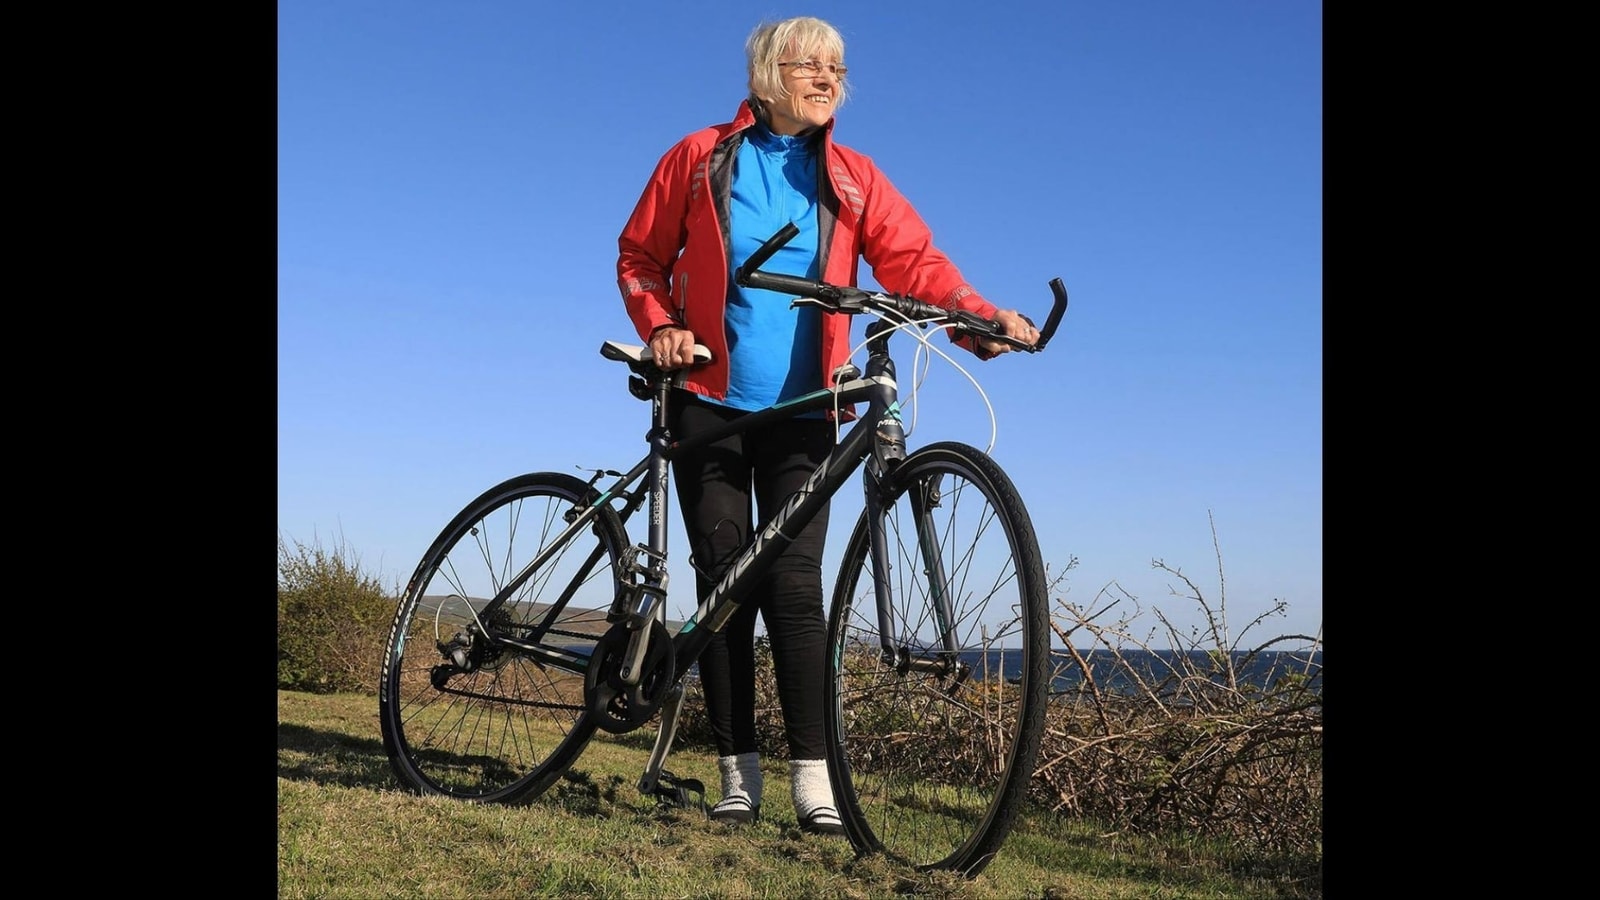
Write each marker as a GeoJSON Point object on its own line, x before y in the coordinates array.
{"type": "Point", "coordinates": [774, 352]}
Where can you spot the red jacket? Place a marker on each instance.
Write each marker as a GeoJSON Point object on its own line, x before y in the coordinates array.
{"type": "Point", "coordinates": [677, 236]}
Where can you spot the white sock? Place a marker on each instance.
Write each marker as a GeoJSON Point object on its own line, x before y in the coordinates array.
{"type": "Point", "coordinates": [741, 780]}
{"type": "Point", "coordinates": [812, 792]}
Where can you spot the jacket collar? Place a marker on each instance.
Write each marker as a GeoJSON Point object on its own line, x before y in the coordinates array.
{"type": "Point", "coordinates": [746, 117]}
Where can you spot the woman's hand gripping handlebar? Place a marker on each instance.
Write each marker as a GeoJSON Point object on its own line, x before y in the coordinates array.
{"type": "Point", "coordinates": [1005, 331]}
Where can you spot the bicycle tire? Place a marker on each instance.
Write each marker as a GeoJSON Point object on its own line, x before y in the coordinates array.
{"type": "Point", "coordinates": [927, 768]}
{"type": "Point", "coordinates": [503, 730]}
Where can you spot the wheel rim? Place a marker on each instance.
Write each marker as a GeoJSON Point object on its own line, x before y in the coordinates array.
{"type": "Point", "coordinates": [930, 753]}
{"type": "Point", "coordinates": [484, 723]}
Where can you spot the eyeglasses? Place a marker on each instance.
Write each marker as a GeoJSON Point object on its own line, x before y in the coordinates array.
{"type": "Point", "coordinates": [810, 68]}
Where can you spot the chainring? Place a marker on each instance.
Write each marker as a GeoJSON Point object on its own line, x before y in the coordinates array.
{"type": "Point", "coordinates": [618, 707]}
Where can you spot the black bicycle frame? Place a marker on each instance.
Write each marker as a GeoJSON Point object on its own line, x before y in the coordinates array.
{"type": "Point", "coordinates": [877, 434]}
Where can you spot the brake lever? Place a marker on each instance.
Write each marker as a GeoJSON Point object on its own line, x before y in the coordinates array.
{"type": "Point", "coordinates": [1051, 322]}
{"type": "Point", "coordinates": [988, 330]}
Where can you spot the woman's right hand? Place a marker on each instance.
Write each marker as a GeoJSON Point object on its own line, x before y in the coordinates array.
{"type": "Point", "coordinates": [1013, 325]}
{"type": "Point", "coordinates": [672, 347]}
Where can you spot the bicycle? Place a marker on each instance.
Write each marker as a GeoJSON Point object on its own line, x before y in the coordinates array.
{"type": "Point", "coordinates": [532, 621]}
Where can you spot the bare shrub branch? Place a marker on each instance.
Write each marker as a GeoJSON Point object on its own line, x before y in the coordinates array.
{"type": "Point", "coordinates": [1195, 735]}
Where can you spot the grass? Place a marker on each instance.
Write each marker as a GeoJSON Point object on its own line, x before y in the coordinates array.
{"type": "Point", "coordinates": [346, 829]}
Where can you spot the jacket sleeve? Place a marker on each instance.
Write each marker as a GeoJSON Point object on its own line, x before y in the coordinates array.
{"type": "Point", "coordinates": [650, 242]}
{"type": "Point", "coordinates": [898, 246]}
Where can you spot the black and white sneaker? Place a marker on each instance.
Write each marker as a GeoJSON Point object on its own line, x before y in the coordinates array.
{"type": "Point", "coordinates": [822, 820]}
{"type": "Point", "coordinates": [735, 810]}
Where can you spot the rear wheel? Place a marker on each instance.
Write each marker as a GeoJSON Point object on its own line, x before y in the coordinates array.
{"type": "Point", "coordinates": [932, 739]}
{"type": "Point", "coordinates": [488, 705]}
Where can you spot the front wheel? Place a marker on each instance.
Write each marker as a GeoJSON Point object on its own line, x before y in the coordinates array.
{"type": "Point", "coordinates": [938, 664]}
{"type": "Point", "coordinates": [487, 704]}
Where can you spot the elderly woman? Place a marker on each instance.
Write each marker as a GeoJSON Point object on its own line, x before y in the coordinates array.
{"type": "Point", "coordinates": [714, 198]}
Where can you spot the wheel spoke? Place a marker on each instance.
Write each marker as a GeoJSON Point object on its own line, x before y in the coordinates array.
{"type": "Point", "coordinates": [930, 761]}
{"type": "Point", "coordinates": [464, 711]}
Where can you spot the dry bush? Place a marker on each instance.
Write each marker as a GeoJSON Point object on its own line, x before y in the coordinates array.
{"type": "Point", "coordinates": [1162, 732]}
{"type": "Point", "coordinates": [694, 728]}
{"type": "Point", "coordinates": [1195, 735]}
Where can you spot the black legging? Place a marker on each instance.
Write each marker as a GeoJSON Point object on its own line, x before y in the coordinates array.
{"type": "Point", "coordinates": [714, 486]}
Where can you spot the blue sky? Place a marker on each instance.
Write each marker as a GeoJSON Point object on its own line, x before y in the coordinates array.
{"type": "Point", "coordinates": [452, 177]}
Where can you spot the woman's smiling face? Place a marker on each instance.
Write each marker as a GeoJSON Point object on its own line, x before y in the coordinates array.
{"type": "Point", "coordinates": [813, 84]}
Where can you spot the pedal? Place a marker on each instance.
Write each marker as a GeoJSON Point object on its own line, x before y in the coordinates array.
{"type": "Point", "coordinates": [670, 790]}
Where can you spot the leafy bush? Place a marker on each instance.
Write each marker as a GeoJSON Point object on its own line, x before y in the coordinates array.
{"type": "Point", "coordinates": [333, 620]}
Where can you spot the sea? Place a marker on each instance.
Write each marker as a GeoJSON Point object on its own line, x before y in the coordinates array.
{"type": "Point", "coordinates": [1115, 670]}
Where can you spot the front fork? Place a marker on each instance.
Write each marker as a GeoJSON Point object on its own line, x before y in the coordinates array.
{"type": "Point", "coordinates": [941, 657]}
{"type": "Point", "coordinates": [889, 451]}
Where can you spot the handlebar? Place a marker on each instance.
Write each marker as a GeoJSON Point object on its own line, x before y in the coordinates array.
{"type": "Point", "coordinates": [850, 300]}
